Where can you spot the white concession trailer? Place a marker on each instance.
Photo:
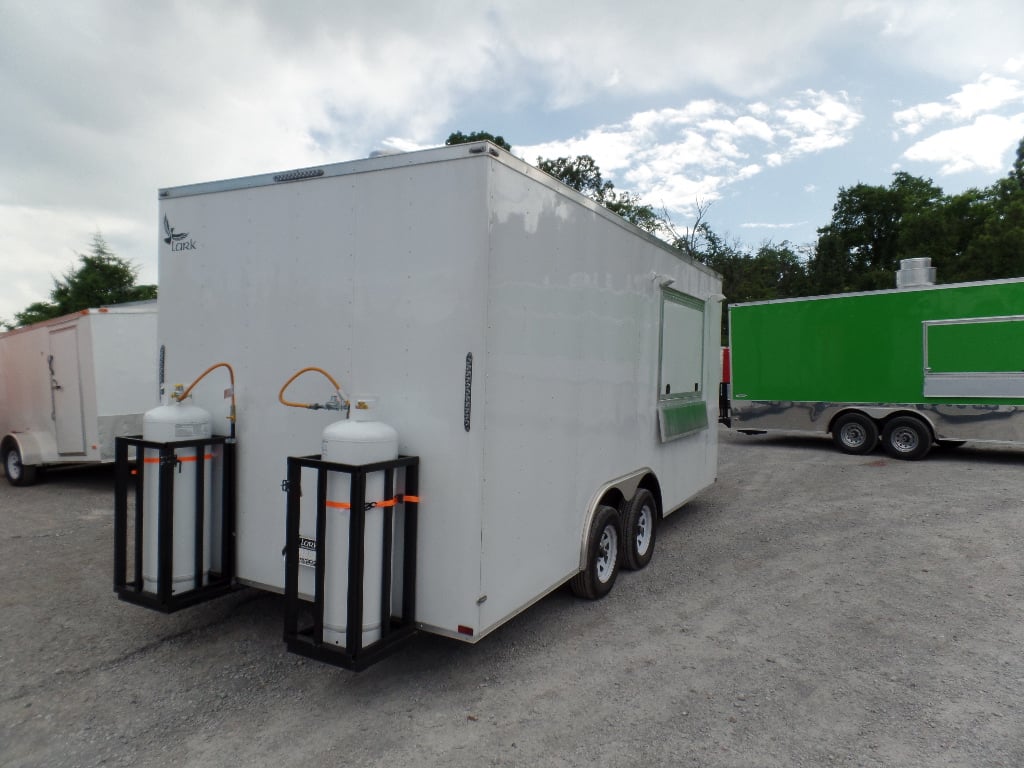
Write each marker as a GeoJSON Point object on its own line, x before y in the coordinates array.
{"type": "Point", "coordinates": [70, 385]}
{"type": "Point", "coordinates": [549, 372]}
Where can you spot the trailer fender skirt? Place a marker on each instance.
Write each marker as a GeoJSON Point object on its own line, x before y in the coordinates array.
{"type": "Point", "coordinates": [626, 485]}
{"type": "Point", "coordinates": [34, 447]}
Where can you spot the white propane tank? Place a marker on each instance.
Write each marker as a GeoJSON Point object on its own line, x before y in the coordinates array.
{"type": "Point", "coordinates": [165, 424]}
{"type": "Point", "coordinates": [360, 439]}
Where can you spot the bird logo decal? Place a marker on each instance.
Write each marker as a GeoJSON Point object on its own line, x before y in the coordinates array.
{"type": "Point", "coordinates": [172, 236]}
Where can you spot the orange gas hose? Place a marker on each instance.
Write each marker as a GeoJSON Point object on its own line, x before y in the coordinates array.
{"type": "Point", "coordinates": [335, 384]}
{"type": "Point", "coordinates": [231, 376]}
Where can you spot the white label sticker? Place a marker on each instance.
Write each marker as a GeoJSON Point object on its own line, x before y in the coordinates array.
{"type": "Point", "coordinates": [307, 551]}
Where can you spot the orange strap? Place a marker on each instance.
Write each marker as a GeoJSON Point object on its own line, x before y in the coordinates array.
{"type": "Point", "coordinates": [385, 503]}
{"type": "Point", "coordinates": [156, 459]}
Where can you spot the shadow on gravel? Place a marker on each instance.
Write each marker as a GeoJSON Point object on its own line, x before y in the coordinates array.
{"type": "Point", "coordinates": [84, 476]}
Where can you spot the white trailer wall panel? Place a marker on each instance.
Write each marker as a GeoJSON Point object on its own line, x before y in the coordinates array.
{"type": "Point", "coordinates": [387, 273]}
{"type": "Point", "coordinates": [572, 360]}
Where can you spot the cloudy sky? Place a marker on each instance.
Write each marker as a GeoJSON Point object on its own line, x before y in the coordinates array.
{"type": "Point", "coordinates": [762, 109]}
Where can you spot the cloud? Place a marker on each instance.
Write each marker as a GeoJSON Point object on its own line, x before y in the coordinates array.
{"type": "Point", "coordinates": [974, 128]}
{"type": "Point", "coordinates": [989, 93]}
{"type": "Point", "coordinates": [673, 157]}
{"type": "Point", "coordinates": [945, 39]}
{"type": "Point", "coordinates": [650, 48]}
{"type": "Point", "coordinates": [818, 121]}
{"type": "Point", "coordinates": [107, 102]}
{"type": "Point", "coordinates": [772, 225]}
{"type": "Point", "coordinates": [984, 144]}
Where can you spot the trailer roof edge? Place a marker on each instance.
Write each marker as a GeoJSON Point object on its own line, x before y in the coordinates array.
{"type": "Point", "coordinates": [915, 289]}
{"type": "Point", "coordinates": [473, 150]}
{"type": "Point", "coordinates": [128, 308]}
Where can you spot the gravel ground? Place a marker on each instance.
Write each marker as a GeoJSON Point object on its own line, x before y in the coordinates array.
{"type": "Point", "coordinates": [811, 609]}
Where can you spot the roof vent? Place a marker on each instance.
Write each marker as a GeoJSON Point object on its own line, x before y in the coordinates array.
{"type": "Point", "coordinates": [305, 173]}
{"type": "Point", "coordinates": [915, 273]}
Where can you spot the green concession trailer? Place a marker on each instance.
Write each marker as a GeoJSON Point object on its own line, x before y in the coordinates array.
{"type": "Point", "coordinates": [909, 367]}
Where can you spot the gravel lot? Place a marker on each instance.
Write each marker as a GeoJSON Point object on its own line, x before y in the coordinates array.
{"type": "Point", "coordinates": [811, 609]}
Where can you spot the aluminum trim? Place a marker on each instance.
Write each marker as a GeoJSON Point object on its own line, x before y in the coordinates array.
{"type": "Point", "coordinates": [969, 384]}
{"type": "Point", "coordinates": [969, 320]}
{"type": "Point", "coordinates": [949, 421]}
{"type": "Point", "coordinates": [942, 287]}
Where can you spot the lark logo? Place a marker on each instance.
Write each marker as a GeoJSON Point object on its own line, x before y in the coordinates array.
{"type": "Point", "coordinates": [179, 241]}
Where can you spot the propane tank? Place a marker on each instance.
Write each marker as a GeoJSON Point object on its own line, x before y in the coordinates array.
{"type": "Point", "coordinates": [164, 424]}
{"type": "Point", "coordinates": [360, 439]}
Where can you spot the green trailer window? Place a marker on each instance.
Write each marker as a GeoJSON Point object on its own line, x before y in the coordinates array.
{"type": "Point", "coordinates": [974, 357]}
{"type": "Point", "coordinates": [681, 406]}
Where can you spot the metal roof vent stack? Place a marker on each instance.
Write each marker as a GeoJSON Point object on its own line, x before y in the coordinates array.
{"type": "Point", "coordinates": [915, 273]}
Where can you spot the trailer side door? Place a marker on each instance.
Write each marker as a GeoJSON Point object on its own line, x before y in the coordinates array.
{"type": "Point", "coordinates": [66, 390]}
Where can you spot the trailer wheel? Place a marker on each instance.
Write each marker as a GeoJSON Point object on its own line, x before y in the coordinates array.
{"type": "Point", "coordinates": [16, 472]}
{"type": "Point", "coordinates": [855, 433]}
{"type": "Point", "coordinates": [639, 530]}
{"type": "Point", "coordinates": [603, 556]}
{"type": "Point", "coordinates": [906, 437]}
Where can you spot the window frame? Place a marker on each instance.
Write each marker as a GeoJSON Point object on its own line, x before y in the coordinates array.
{"type": "Point", "coordinates": [678, 298]}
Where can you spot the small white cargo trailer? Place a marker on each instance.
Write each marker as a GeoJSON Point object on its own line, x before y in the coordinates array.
{"type": "Point", "coordinates": [70, 385]}
{"type": "Point", "coordinates": [544, 380]}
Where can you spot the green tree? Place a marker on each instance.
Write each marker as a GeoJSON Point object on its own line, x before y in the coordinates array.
{"type": "Point", "coordinates": [101, 279]}
{"type": "Point", "coordinates": [859, 246]}
{"type": "Point", "coordinates": [997, 249]}
{"type": "Point", "coordinates": [945, 231]}
{"type": "Point", "coordinates": [580, 172]}
{"type": "Point", "coordinates": [583, 174]}
{"type": "Point", "coordinates": [873, 227]}
{"type": "Point", "coordinates": [33, 313]}
{"type": "Point", "coordinates": [465, 138]}
{"type": "Point", "coordinates": [974, 235]}
{"type": "Point", "coordinates": [1017, 172]}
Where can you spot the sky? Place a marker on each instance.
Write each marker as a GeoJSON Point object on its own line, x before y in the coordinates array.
{"type": "Point", "coordinates": [759, 112]}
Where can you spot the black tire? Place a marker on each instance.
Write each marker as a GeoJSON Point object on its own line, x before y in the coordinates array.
{"type": "Point", "coordinates": [603, 556]}
{"type": "Point", "coordinates": [639, 530]}
{"type": "Point", "coordinates": [16, 472]}
{"type": "Point", "coordinates": [906, 437]}
{"type": "Point", "coordinates": [855, 433]}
